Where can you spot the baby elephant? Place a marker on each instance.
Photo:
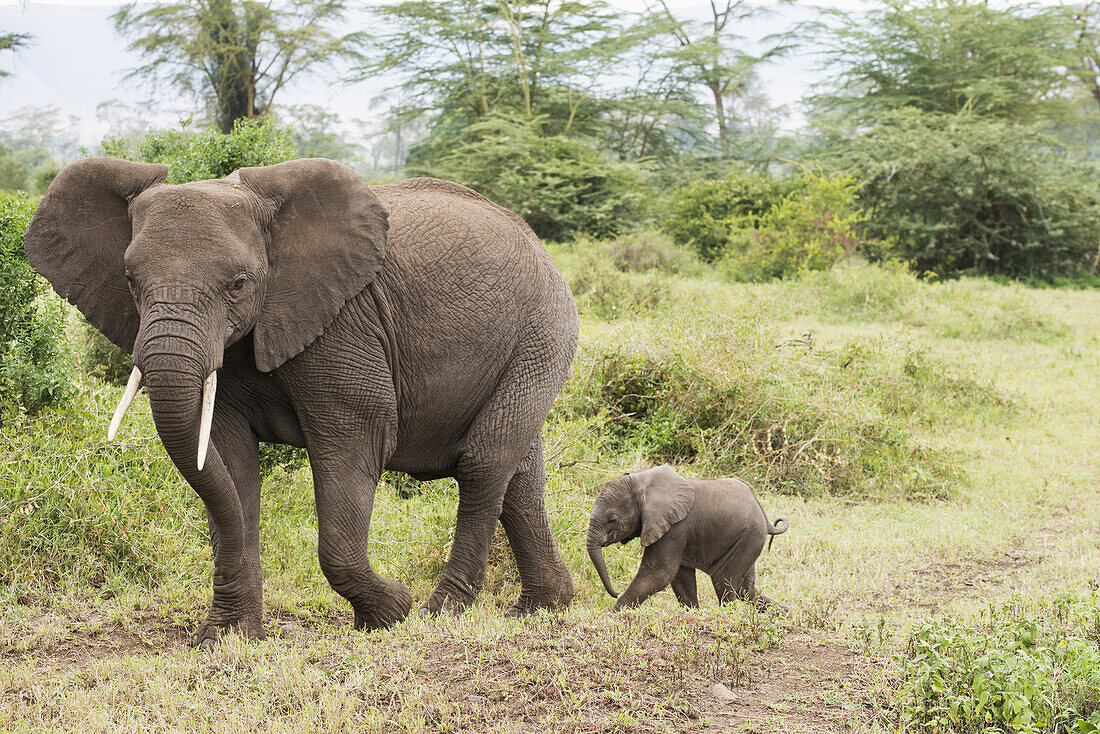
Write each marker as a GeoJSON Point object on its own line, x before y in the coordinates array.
{"type": "Point", "coordinates": [714, 525]}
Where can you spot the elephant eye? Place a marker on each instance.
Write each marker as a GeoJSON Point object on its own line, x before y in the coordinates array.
{"type": "Point", "coordinates": [130, 283]}
{"type": "Point", "coordinates": [237, 287]}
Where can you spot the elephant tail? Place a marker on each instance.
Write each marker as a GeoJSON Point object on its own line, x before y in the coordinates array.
{"type": "Point", "coordinates": [777, 528]}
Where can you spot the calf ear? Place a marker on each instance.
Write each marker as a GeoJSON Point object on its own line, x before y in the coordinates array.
{"type": "Point", "coordinates": [80, 233]}
{"type": "Point", "coordinates": [327, 242]}
{"type": "Point", "coordinates": [667, 498]}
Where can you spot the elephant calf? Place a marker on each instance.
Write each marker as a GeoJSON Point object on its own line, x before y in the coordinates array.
{"type": "Point", "coordinates": [714, 525]}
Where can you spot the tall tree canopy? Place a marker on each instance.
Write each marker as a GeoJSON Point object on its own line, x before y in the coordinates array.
{"type": "Point", "coordinates": [949, 56]}
{"type": "Point", "coordinates": [710, 53]}
{"type": "Point", "coordinates": [236, 54]}
{"type": "Point", "coordinates": [10, 41]}
{"type": "Point", "coordinates": [540, 57]}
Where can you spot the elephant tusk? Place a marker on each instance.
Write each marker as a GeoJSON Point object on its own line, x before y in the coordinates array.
{"type": "Point", "coordinates": [208, 389]}
{"type": "Point", "coordinates": [132, 387]}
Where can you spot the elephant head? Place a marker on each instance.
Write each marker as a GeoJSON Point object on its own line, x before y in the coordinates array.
{"type": "Point", "coordinates": [174, 274]}
{"type": "Point", "coordinates": [645, 504]}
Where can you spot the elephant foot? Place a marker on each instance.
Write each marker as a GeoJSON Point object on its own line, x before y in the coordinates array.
{"type": "Point", "coordinates": [447, 598]}
{"type": "Point", "coordinates": [389, 606]}
{"type": "Point", "coordinates": [209, 632]}
{"type": "Point", "coordinates": [762, 602]}
{"type": "Point", "coordinates": [558, 595]}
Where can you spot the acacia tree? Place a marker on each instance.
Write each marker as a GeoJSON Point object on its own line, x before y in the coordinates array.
{"type": "Point", "coordinates": [10, 42]}
{"type": "Point", "coordinates": [540, 57]}
{"type": "Point", "coordinates": [236, 54]}
{"type": "Point", "coordinates": [949, 57]}
{"type": "Point", "coordinates": [711, 54]}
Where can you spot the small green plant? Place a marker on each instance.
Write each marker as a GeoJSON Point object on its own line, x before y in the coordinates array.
{"type": "Point", "coordinates": [1015, 669]}
{"type": "Point", "coordinates": [35, 368]}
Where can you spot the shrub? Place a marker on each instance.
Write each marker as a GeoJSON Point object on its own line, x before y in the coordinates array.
{"type": "Point", "coordinates": [561, 186]}
{"type": "Point", "coordinates": [791, 421]}
{"type": "Point", "coordinates": [812, 228]}
{"type": "Point", "coordinates": [34, 360]}
{"type": "Point", "coordinates": [13, 172]}
{"type": "Point", "coordinates": [608, 286]}
{"type": "Point", "coordinates": [1014, 670]}
{"type": "Point", "coordinates": [650, 250]}
{"type": "Point", "coordinates": [705, 214]}
{"type": "Point", "coordinates": [195, 156]}
{"type": "Point", "coordinates": [957, 194]}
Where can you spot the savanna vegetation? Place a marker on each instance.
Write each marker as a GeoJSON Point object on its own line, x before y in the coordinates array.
{"type": "Point", "coordinates": [884, 322]}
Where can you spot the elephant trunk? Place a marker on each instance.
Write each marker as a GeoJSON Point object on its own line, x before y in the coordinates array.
{"type": "Point", "coordinates": [179, 381]}
{"type": "Point", "coordinates": [595, 552]}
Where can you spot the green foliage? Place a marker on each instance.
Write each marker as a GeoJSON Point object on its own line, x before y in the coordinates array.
{"type": "Point", "coordinates": [648, 250]}
{"type": "Point", "coordinates": [195, 156]}
{"type": "Point", "coordinates": [951, 57]}
{"type": "Point", "coordinates": [811, 228]}
{"type": "Point", "coordinates": [109, 508]}
{"type": "Point", "coordinates": [560, 186]}
{"type": "Point", "coordinates": [763, 226]}
{"type": "Point", "coordinates": [100, 357]}
{"type": "Point", "coordinates": [34, 363]}
{"type": "Point", "coordinates": [717, 394]}
{"type": "Point", "coordinates": [960, 194]}
{"type": "Point", "coordinates": [706, 213]}
{"type": "Point", "coordinates": [1016, 669]}
{"type": "Point", "coordinates": [13, 171]}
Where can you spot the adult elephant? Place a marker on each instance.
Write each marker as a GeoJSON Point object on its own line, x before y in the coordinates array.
{"type": "Point", "coordinates": [413, 326]}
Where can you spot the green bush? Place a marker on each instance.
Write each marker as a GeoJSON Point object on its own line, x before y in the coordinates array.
{"type": "Point", "coordinates": [765, 227]}
{"type": "Point", "coordinates": [1015, 670]}
{"type": "Point", "coordinates": [812, 228]}
{"type": "Point", "coordinates": [608, 279]}
{"type": "Point", "coordinates": [957, 194]}
{"type": "Point", "coordinates": [34, 358]}
{"type": "Point", "coordinates": [705, 214]}
{"type": "Point", "coordinates": [13, 172]}
{"type": "Point", "coordinates": [561, 186]}
{"type": "Point", "coordinates": [650, 250]}
{"type": "Point", "coordinates": [791, 421]}
{"type": "Point", "coordinates": [196, 156]}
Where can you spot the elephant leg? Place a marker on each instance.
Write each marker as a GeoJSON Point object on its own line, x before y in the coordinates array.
{"type": "Point", "coordinates": [734, 575]}
{"type": "Point", "coordinates": [345, 500]}
{"type": "Point", "coordinates": [546, 580]}
{"type": "Point", "coordinates": [494, 451]}
{"type": "Point", "coordinates": [683, 586]}
{"type": "Point", "coordinates": [480, 500]}
{"type": "Point", "coordinates": [660, 565]}
{"type": "Point", "coordinates": [348, 413]}
{"type": "Point", "coordinates": [238, 597]}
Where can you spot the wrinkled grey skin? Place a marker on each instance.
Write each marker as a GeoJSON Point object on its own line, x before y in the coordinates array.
{"type": "Point", "coordinates": [413, 326]}
{"type": "Point", "coordinates": [714, 525]}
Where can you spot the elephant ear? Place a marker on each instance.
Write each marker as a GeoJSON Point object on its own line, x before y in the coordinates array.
{"type": "Point", "coordinates": [327, 242]}
{"type": "Point", "coordinates": [666, 500]}
{"type": "Point", "coordinates": [80, 233]}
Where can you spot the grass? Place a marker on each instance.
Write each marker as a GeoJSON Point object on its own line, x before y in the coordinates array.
{"type": "Point", "coordinates": [932, 444]}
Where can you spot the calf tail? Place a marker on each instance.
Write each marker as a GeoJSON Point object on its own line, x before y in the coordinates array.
{"type": "Point", "coordinates": [778, 528]}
